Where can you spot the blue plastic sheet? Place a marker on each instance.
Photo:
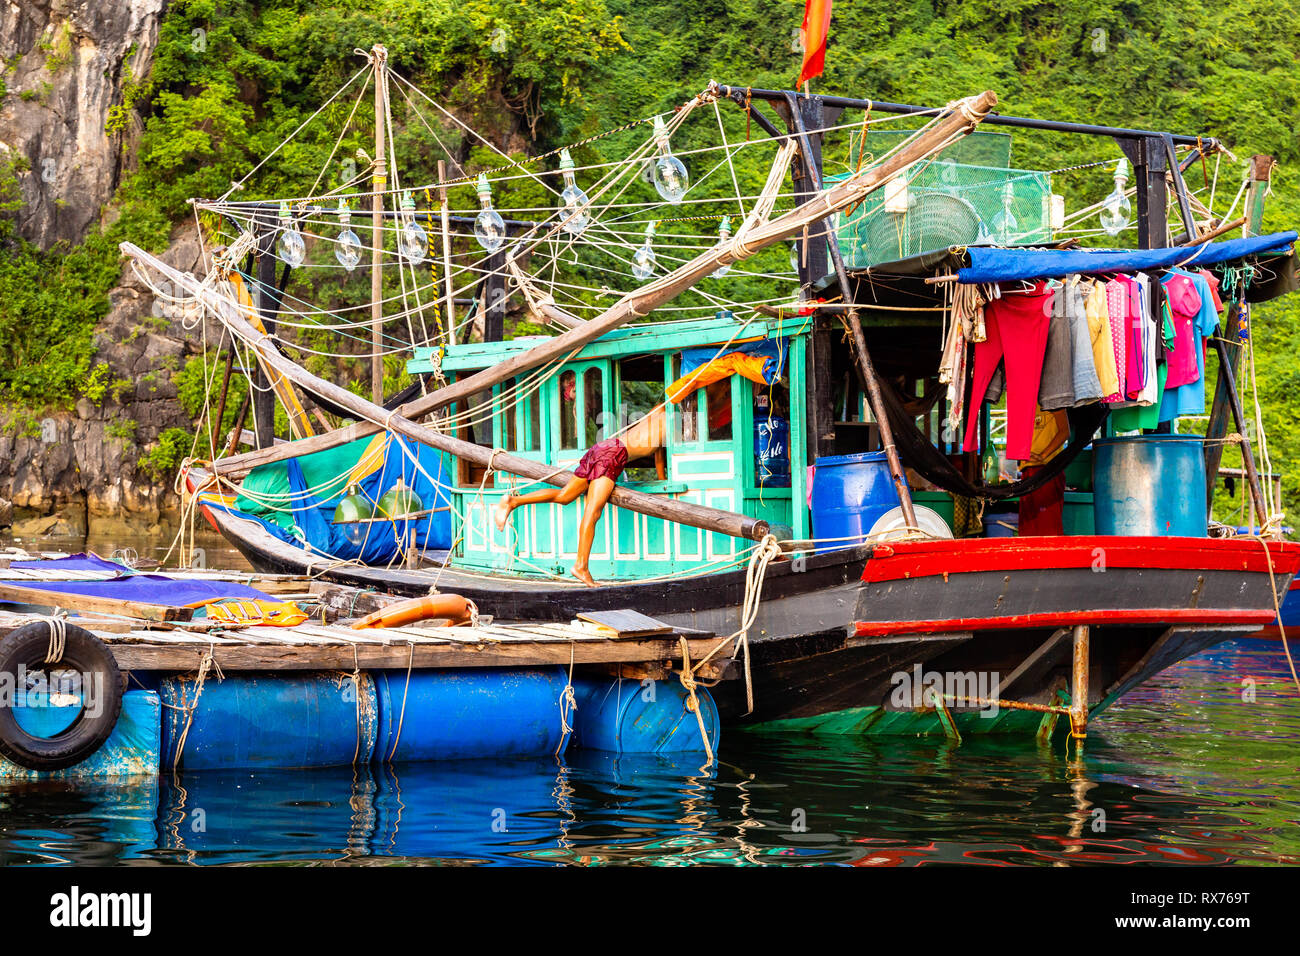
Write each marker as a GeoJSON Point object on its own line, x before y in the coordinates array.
{"type": "Point", "coordinates": [314, 516]}
{"type": "Point", "coordinates": [151, 589]}
{"type": "Point", "coordinates": [772, 351]}
{"type": "Point", "coordinates": [75, 562]}
{"type": "Point", "coordinates": [989, 264]}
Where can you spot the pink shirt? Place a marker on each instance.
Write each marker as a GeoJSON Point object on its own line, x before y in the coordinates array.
{"type": "Point", "coordinates": [1117, 314]}
{"type": "Point", "coordinates": [1185, 307]}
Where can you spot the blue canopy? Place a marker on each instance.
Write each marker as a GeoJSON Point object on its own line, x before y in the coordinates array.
{"type": "Point", "coordinates": [989, 264]}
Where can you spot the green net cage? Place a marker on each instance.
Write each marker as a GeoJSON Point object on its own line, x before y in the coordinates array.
{"type": "Point", "coordinates": [945, 202]}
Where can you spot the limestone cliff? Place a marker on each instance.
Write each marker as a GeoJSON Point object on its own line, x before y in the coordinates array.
{"type": "Point", "coordinates": [64, 66]}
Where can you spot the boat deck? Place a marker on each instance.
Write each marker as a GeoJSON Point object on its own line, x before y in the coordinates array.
{"type": "Point", "coordinates": [161, 637]}
{"type": "Point", "coordinates": [173, 646]}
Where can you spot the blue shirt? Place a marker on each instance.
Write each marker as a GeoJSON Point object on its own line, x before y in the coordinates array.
{"type": "Point", "coordinates": [1189, 399]}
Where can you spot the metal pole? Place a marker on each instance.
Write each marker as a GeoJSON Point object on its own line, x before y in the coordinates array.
{"type": "Point", "coordinates": [1079, 688]}
{"type": "Point", "coordinates": [740, 93]}
{"type": "Point", "coordinates": [379, 183]}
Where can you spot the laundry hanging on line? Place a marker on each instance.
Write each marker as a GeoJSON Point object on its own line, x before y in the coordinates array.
{"type": "Point", "coordinates": [1133, 342]}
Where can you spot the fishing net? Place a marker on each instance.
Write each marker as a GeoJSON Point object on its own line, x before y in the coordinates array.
{"type": "Point", "coordinates": [967, 195]}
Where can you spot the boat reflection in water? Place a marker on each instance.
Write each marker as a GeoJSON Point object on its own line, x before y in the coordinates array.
{"type": "Point", "coordinates": [1215, 785]}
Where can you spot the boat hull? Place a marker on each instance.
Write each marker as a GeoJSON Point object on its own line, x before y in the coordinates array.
{"type": "Point", "coordinates": [836, 632]}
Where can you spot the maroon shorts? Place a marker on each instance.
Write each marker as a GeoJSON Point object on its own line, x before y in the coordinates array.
{"type": "Point", "coordinates": [606, 459]}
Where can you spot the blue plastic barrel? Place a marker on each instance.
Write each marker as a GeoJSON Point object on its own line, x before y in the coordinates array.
{"type": "Point", "coordinates": [265, 720]}
{"type": "Point", "coordinates": [468, 713]}
{"type": "Point", "coordinates": [130, 750]}
{"type": "Point", "coordinates": [641, 717]}
{"type": "Point", "coordinates": [849, 494]}
{"type": "Point", "coordinates": [1150, 485]}
{"type": "Point", "coordinates": [772, 451]}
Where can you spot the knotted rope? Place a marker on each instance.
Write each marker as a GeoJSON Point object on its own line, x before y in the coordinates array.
{"type": "Point", "coordinates": [568, 705]}
{"type": "Point", "coordinates": [58, 639]}
{"type": "Point", "coordinates": [208, 663]}
{"type": "Point", "coordinates": [767, 550]}
{"type": "Point", "coordinates": [687, 676]}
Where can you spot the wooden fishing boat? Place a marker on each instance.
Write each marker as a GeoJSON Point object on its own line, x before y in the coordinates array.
{"type": "Point", "coordinates": [831, 627]}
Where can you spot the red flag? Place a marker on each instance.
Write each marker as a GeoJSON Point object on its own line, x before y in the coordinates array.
{"type": "Point", "coordinates": [816, 26]}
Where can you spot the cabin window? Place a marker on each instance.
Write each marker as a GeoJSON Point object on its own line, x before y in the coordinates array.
{"type": "Point", "coordinates": [532, 418]}
{"type": "Point", "coordinates": [717, 398]}
{"type": "Point", "coordinates": [640, 392]}
{"type": "Point", "coordinates": [568, 410]}
{"type": "Point", "coordinates": [506, 403]}
{"type": "Point", "coordinates": [475, 417]}
{"type": "Point", "coordinates": [593, 406]}
{"type": "Point", "coordinates": [687, 411]}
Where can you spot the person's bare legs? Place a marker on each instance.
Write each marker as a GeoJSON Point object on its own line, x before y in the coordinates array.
{"type": "Point", "coordinates": [561, 496]}
{"type": "Point", "coordinates": [597, 497]}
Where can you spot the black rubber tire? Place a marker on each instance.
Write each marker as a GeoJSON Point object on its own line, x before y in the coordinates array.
{"type": "Point", "coordinates": [84, 653]}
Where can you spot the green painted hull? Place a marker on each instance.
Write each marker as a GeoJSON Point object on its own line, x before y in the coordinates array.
{"type": "Point", "coordinates": [878, 722]}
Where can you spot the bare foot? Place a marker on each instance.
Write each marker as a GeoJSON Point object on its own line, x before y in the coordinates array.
{"type": "Point", "coordinates": [502, 514]}
{"type": "Point", "coordinates": [583, 575]}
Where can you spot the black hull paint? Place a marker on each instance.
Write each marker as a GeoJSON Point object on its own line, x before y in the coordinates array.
{"type": "Point", "coordinates": [807, 660]}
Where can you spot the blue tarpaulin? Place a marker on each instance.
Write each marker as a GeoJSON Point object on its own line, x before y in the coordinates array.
{"type": "Point", "coordinates": [989, 264]}
{"type": "Point", "coordinates": [125, 584]}
{"type": "Point", "coordinates": [770, 351]}
{"type": "Point", "coordinates": [76, 562]}
{"type": "Point", "coordinates": [150, 589]}
{"type": "Point", "coordinates": [313, 517]}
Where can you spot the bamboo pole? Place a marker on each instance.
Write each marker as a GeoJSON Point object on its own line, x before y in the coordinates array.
{"type": "Point", "coordinates": [656, 506]}
{"type": "Point", "coordinates": [450, 310]}
{"type": "Point", "coordinates": [962, 118]}
{"type": "Point", "coordinates": [379, 183]}
{"type": "Point", "coordinates": [214, 425]}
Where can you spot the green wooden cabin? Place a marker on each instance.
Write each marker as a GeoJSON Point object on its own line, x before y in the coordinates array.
{"type": "Point", "coordinates": [557, 413]}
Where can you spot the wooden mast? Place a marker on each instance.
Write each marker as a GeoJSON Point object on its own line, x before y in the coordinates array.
{"type": "Point", "coordinates": [866, 368]}
{"type": "Point", "coordinates": [964, 116]}
{"type": "Point", "coordinates": [379, 183]}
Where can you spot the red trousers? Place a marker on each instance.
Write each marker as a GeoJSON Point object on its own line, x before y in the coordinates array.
{"type": "Point", "coordinates": [1041, 510]}
{"type": "Point", "coordinates": [1017, 326]}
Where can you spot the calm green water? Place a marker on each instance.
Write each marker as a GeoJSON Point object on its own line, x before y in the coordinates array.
{"type": "Point", "coordinates": [1185, 772]}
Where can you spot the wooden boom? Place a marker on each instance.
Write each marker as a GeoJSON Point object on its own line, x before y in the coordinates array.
{"type": "Point", "coordinates": [671, 509]}
{"type": "Point", "coordinates": [961, 118]}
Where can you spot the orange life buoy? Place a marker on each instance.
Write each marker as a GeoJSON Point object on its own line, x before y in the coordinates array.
{"type": "Point", "coordinates": [455, 608]}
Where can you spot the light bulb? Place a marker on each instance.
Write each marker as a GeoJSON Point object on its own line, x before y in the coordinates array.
{"type": "Point", "coordinates": [489, 227]}
{"type": "Point", "coordinates": [573, 217]}
{"type": "Point", "coordinates": [291, 247]}
{"type": "Point", "coordinates": [351, 510]}
{"type": "Point", "coordinates": [724, 233]}
{"type": "Point", "coordinates": [671, 178]}
{"type": "Point", "coordinates": [399, 502]}
{"type": "Point", "coordinates": [1005, 226]}
{"type": "Point", "coordinates": [348, 249]}
{"type": "Point", "coordinates": [414, 241]}
{"type": "Point", "coordinates": [1116, 208]}
{"type": "Point", "coordinates": [643, 260]}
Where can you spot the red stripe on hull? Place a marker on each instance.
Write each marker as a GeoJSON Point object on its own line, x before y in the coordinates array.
{"type": "Point", "coordinates": [913, 559]}
{"type": "Point", "coordinates": [1065, 619]}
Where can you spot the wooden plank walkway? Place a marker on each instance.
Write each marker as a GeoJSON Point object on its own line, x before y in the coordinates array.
{"type": "Point", "coordinates": [163, 638]}
{"type": "Point", "coordinates": [167, 646]}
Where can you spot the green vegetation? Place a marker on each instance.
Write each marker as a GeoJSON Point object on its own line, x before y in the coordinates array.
{"type": "Point", "coordinates": [231, 80]}
{"type": "Point", "coordinates": [163, 457]}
